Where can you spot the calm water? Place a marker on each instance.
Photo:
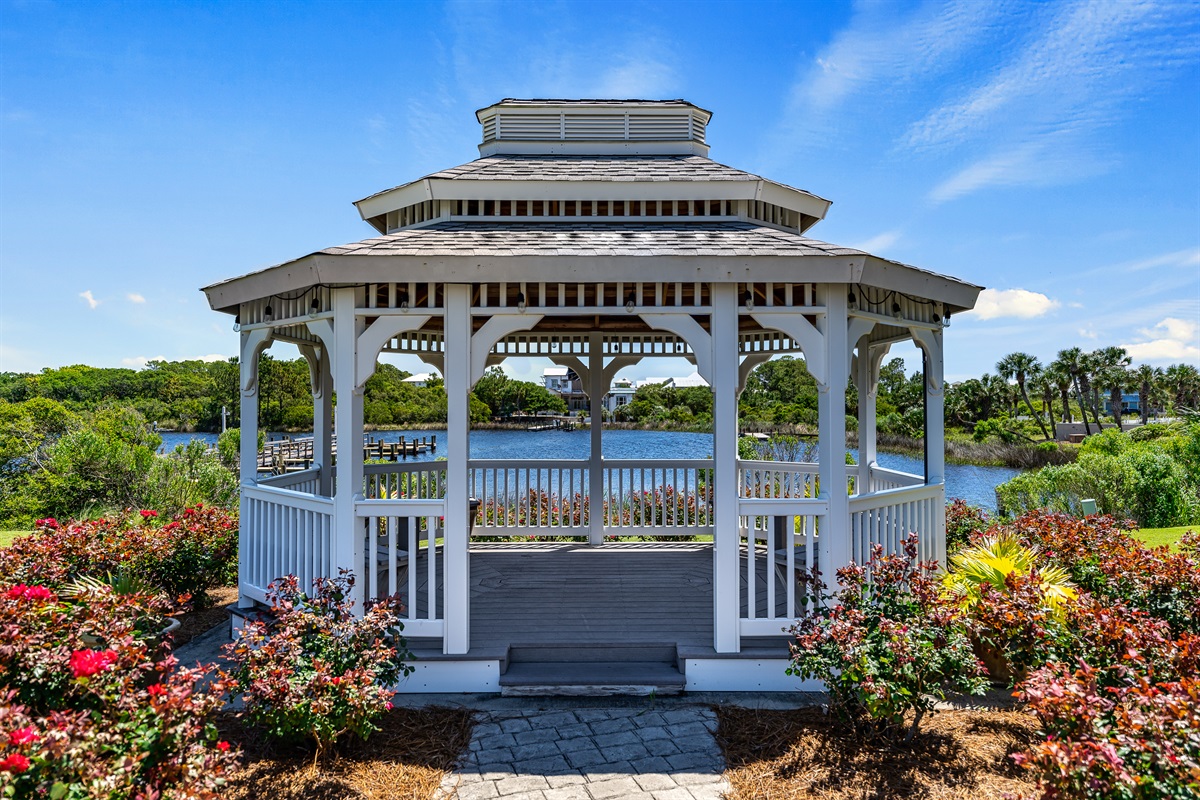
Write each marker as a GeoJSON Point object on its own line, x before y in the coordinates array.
{"type": "Point", "coordinates": [974, 484]}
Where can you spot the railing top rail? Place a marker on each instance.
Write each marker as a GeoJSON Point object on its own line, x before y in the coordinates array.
{"type": "Point", "coordinates": [658, 463]}
{"type": "Point", "coordinates": [291, 477]}
{"type": "Point", "coordinates": [368, 507]}
{"type": "Point", "coordinates": [891, 497]}
{"type": "Point", "coordinates": [401, 466]}
{"type": "Point", "coordinates": [287, 497]}
{"type": "Point", "coordinates": [780, 466]}
{"type": "Point", "coordinates": [894, 473]}
{"type": "Point", "coordinates": [521, 463]}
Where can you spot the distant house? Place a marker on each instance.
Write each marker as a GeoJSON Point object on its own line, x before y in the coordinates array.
{"type": "Point", "coordinates": [565, 382]}
{"type": "Point", "coordinates": [689, 382]}
{"type": "Point", "coordinates": [620, 394]}
{"type": "Point", "coordinates": [421, 379]}
{"type": "Point", "coordinates": [1130, 404]}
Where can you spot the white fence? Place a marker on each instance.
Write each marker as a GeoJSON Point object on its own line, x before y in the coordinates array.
{"type": "Point", "coordinates": [888, 516]}
{"type": "Point", "coordinates": [306, 481]}
{"type": "Point", "coordinates": [401, 554]}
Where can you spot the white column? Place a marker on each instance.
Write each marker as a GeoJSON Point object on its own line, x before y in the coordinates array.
{"type": "Point", "coordinates": [726, 549]}
{"type": "Point", "coordinates": [455, 554]}
{"type": "Point", "coordinates": [323, 425]}
{"type": "Point", "coordinates": [868, 392]}
{"type": "Point", "coordinates": [595, 391]}
{"type": "Point", "coordinates": [834, 537]}
{"type": "Point", "coordinates": [248, 431]}
{"type": "Point", "coordinates": [348, 530]}
{"type": "Point", "coordinates": [935, 433]}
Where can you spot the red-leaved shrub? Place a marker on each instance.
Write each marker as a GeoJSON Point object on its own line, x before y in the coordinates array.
{"type": "Point", "coordinates": [184, 556]}
{"type": "Point", "coordinates": [92, 706]}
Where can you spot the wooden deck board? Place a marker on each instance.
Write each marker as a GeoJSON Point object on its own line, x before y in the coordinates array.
{"type": "Point", "coordinates": [556, 593]}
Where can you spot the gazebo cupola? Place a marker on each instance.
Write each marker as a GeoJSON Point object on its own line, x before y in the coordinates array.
{"type": "Point", "coordinates": [595, 234]}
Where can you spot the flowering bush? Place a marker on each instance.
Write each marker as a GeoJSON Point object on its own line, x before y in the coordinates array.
{"type": "Point", "coordinates": [318, 672]}
{"type": "Point", "coordinates": [186, 555]}
{"type": "Point", "coordinates": [91, 707]}
{"type": "Point", "coordinates": [888, 643]}
{"type": "Point", "coordinates": [963, 522]}
{"type": "Point", "coordinates": [1101, 557]}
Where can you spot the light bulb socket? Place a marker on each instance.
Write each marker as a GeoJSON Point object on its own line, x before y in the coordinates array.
{"type": "Point", "coordinates": [268, 312]}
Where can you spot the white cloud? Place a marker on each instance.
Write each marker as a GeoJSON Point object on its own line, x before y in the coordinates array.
{"type": "Point", "coordinates": [1088, 333]}
{"type": "Point", "coordinates": [1172, 339]}
{"type": "Point", "coordinates": [138, 362]}
{"type": "Point", "coordinates": [91, 300]}
{"type": "Point", "coordinates": [134, 297]}
{"type": "Point", "coordinates": [879, 242]}
{"type": "Point", "coordinates": [1019, 303]}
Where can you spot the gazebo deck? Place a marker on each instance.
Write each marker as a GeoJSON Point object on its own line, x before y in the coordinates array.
{"type": "Point", "coordinates": [619, 593]}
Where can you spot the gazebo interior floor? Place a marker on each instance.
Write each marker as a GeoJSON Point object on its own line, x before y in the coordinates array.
{"type": "Point", "coordinates": [647, 595]}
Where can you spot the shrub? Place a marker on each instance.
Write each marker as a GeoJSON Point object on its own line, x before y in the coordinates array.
{"type": "Point", "coordinates": [993, 559]}
{"type": "Point", "coordinates": [964, 521]}
{"type": "Point", "coordinates": [1101, 557]}
{"type": "Point", "coordinates": [91, 705]}
{"type": "Point", "coordinates": [184, 557]}
{"type": "Point", "coordinates": [886, 643]}
{"type": "Point", "coordinates": [319, 671]}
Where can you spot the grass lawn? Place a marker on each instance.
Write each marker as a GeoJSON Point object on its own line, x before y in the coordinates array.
{"type": "Point", "coordinates": [1154, 537]}
{"type": "Point", "coordinates": [6, 537]}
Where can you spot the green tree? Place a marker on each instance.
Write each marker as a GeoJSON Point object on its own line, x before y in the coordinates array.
{"type": "Point", "coordinates": [1020, 367]}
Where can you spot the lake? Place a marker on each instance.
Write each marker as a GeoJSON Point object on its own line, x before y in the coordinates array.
{"type": "Point", "coordinates": [972, 483]}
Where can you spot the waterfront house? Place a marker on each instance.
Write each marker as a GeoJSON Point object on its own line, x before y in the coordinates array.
{"type": "Point", "coordinates": [596, 234]}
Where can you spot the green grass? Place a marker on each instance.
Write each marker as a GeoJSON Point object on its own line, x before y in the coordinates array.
{"type": "Point", "coordinates": [7, 537]}
{"type": "Point", "coordinates": [1156, 537]}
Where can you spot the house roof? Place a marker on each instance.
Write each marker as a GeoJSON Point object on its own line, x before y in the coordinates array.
{"type": "Point", "coordinates": [595, 168]}
{"type": "Point", "coordinates": [569, 252]}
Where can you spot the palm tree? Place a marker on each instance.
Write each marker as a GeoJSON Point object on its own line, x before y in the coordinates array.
{"type": "Point", "coordinates": [1071, 361]}
{"type": "Point", "coordinates": [1021, 366]}
{"type": "Point", "coordinates": [1061, 379]}
{"type": "Point", "coordinates": [1044, 384]}
{"type": "Point", "coordinates": [1183, 381]}
{"type": "Point", "coordinates": [1112, 373]}
{"type": "Point", "coordinates": [1148, 378]}
{"type": "Point", "coordinates": [1089, 379]}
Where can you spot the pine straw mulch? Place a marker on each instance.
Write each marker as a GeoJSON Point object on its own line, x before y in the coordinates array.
{"type": "Point", "coordinates": [196, 623]}
{"type": "Point", "coordinates": [805, 755]}
{"type": "Point", "coordinates": [405, 760]}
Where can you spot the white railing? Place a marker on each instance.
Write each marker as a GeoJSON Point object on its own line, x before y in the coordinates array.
{"type": "Point", "coordinates": [534, 497]}
{"type": "Point", "coordinates": [283, 532]}
{"type": "Point", "coordinates": [888, 516]}
{"type": "Point", "coordinates": [421, 480]}
{"type": "Point", "coordinates": [777, 479]}
{"type": "Point", "coordinates": [883, 479]}
{"type": "Point", "coordinates": [306, 481]}
{"type": "Point", "coordinates": [658, 498]}
{"type": "Point", "coordinates": [401, 555]}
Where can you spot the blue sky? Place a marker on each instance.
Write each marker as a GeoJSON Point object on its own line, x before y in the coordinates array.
{"type": "Point", "coordinates": [1048, 151]}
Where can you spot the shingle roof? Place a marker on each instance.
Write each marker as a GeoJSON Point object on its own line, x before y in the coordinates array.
{"type": "Point", "coordinates": [594, 168]}
{"type": "Point", "coordinates": [591, 239]}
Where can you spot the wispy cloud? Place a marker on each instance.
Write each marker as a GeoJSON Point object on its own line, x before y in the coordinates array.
{"type": "Point", "coordinates": [89, 298]}
{"type": "Point", "coordinates": [879, 242]}
{"type": "Point", "coordinates": [134, 297]}
{"type": "Point", "coordinates": [1033, 119]}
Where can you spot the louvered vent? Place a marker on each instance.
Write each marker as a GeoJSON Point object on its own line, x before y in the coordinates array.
{"type": "Point", "coordinates": [658, 127]}
{"type": "Point", "coordinates": [698, 128]}
{"type": "Point", "coordinates": [593, 127]}
{"type": "Point", "coordinates": [489, 129]}
{"type": "Point", "coordinates": [529, 126]}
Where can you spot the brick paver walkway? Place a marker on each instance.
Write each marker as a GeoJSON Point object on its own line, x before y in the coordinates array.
{"type": "Point", "coordinates": [591, 754]}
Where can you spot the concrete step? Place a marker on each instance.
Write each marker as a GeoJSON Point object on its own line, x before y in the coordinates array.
{"type": "Point", "coordinates": [594, 679]}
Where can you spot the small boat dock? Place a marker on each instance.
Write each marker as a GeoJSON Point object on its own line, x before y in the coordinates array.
{"type": "Point", "coordinates": [293, 455]}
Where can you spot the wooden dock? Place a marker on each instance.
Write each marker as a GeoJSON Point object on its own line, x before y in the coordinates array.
{"type": "Point", "coordinates": [293, 455]}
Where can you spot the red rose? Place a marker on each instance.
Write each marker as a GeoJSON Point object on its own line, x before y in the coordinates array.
{"type": "Point", "coordinates": [85, 663]}
{"type": "Point", "coordinates": [223, 746]}
{"type": "Point", "coordinates": [148, 514]}
{"type": "Point", "coordinates": [22, 736]}
{"type": "Point", "coordinates": [388, 705]}
{"type": "Point", "coordinates": [14, 763]}
{"type": "Point", "coordinates": [155, 689]}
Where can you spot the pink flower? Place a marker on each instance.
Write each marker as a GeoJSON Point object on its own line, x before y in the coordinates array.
{"type": "Point", "coordinates": [22, 736]}
{"type": "Point", "coordinates": [85, 663]}
{"type": "Point", "coordinates": [14, 763]}
{"type": "Point", "coordinates": [388, 705]}
{"type": "Point", "coordinates": [30, 592]}
{"type": "Point", "coordinates": [48, 522]}
{"type": "Point", "coordinates": [148, 514]}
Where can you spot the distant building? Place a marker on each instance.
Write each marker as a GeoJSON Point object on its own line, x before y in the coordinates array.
{"type": "Point", "coordinates": [565, 383]}
{"type": "Point", "coordinates": [689, 382]}
{"type": "Point", "coordinates": [421, 379]}
{"type": "Point", "coordinates": [620, 394]}
{"type": "Point", "coordinates": [1130, 404]}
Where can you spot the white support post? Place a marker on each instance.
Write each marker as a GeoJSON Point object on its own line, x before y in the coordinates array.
{"type": "Point", "coordinates": [868, 392]}
{"type": "Point", "coordinates": [834, 538]}
{"type": "Point", "coordinates": [595, 392]}
{"type": "Point", "coordinates": [348, 531]}
{"type": "Point", "coordinates": [726, 545]}
{"type": "Point", "coordinates": [323, 426]}
{"type": "Point", "coordinates": [248, 383]}
{"type": "Point", "coordinates": [456, 564]}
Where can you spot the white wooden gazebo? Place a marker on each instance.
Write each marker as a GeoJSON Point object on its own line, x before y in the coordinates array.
{"type": "Point", "coordinates": [595, 234]}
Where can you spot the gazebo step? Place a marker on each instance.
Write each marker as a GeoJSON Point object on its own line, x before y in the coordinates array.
{"type": "Point", "coordinates": [593, 652]}
{"type": "Point", "coordinates": [590, 679]}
